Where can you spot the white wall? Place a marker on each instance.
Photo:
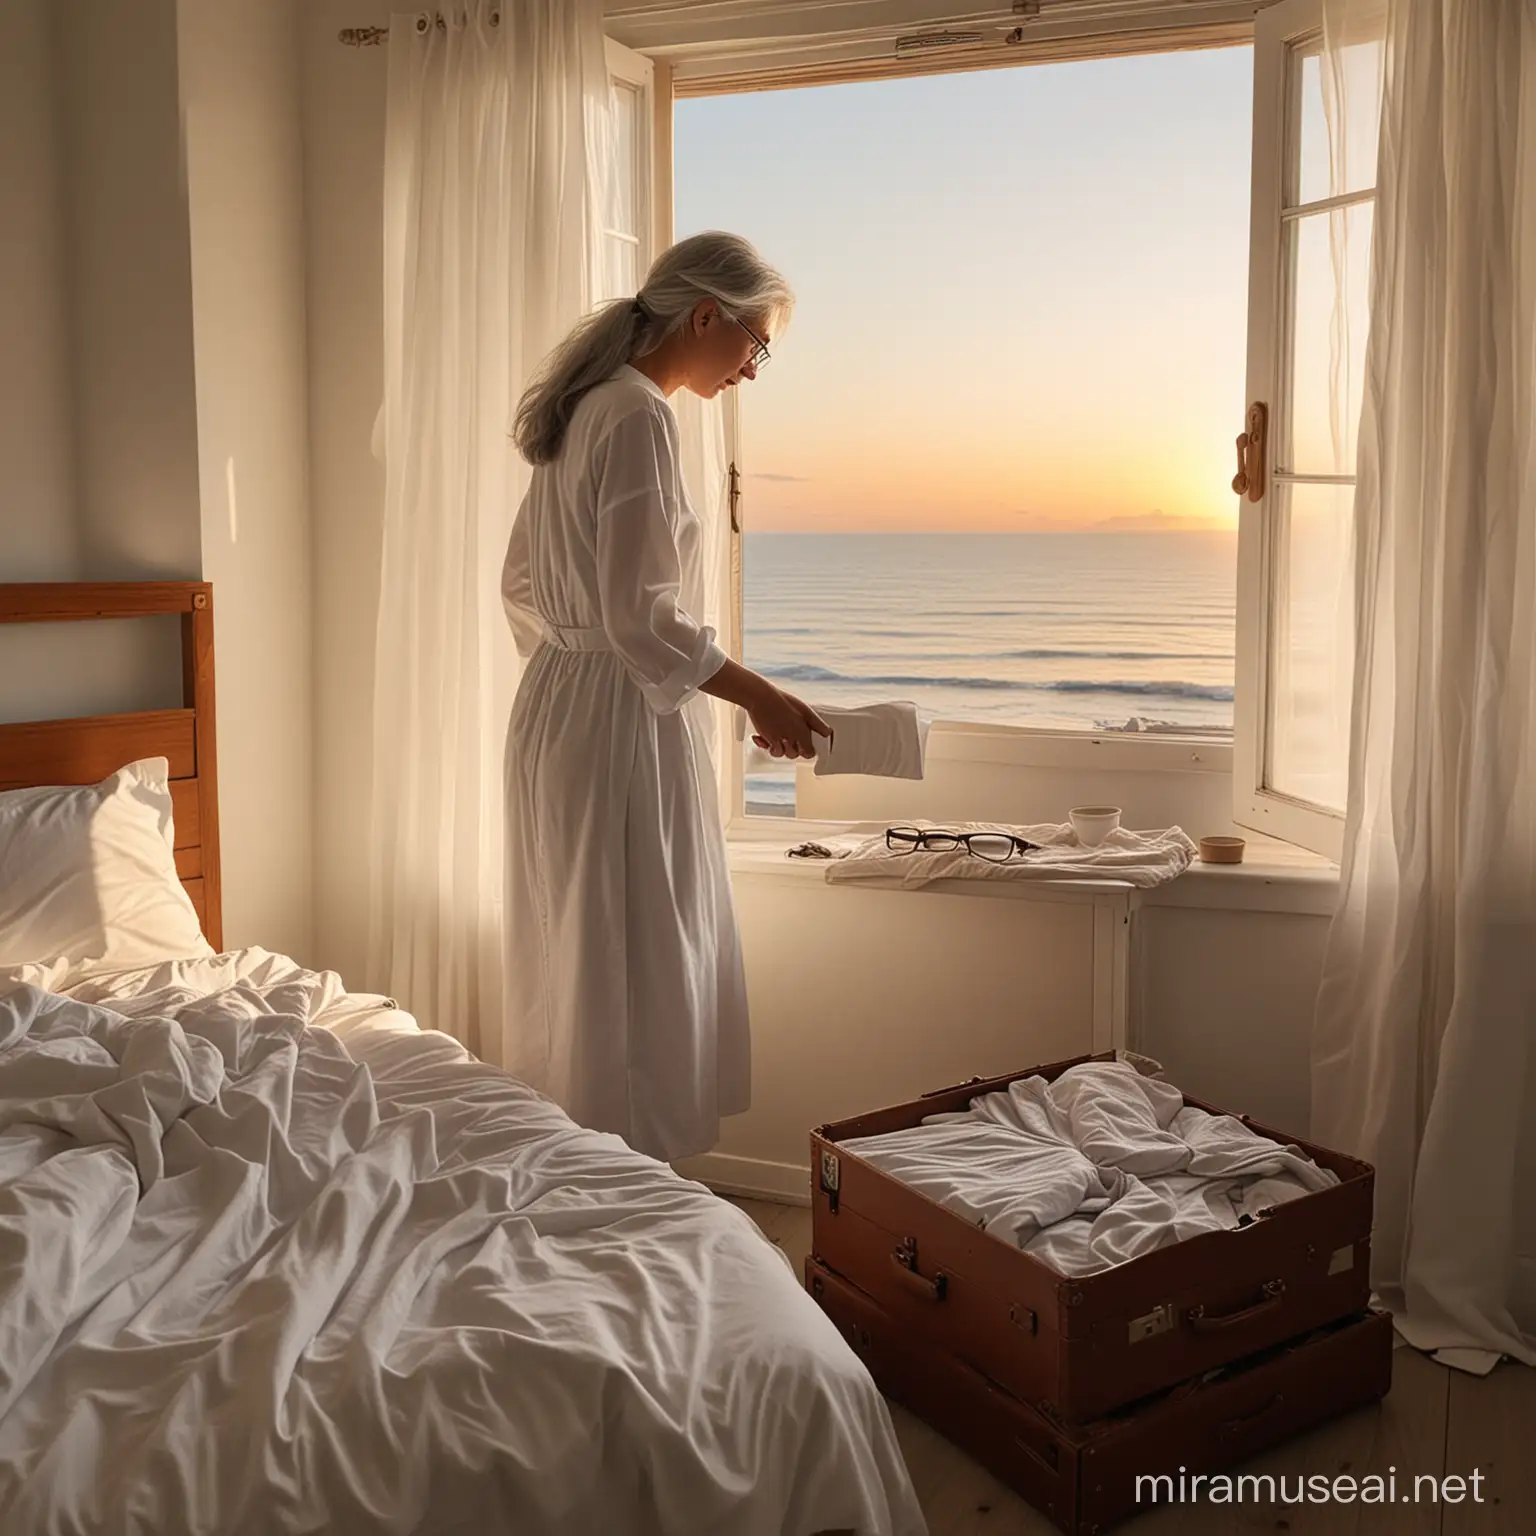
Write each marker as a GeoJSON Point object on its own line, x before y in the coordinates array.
{"type": "Point", "coordinates": [129, 270]}
{"type": "Point", "coordinates": [344, 167]}
{"type": "Point", "coordinates": [240, 98]}
{"type": "Point", "coordinates": [1225, 1000]}
{"type": "Point", "coordinates": [38, 534]}
{"type": "Point", "coordinates": [99, 429]}
{"type": "Point", "coordinates": [98, 452]}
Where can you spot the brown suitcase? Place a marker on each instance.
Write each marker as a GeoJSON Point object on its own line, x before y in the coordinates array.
{"type": "Point", "coordinates": [1080, 1347]}
{"type": "Point", "coordinates": [1086, 1478]}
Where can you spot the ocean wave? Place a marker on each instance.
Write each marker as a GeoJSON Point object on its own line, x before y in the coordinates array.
{"type": "Point", "coordinates": [1159, 690]}
{"type": "Point", "coordinates": [1176, 688]}
{"type": "Point", "coordinates": [1046, 654]}
{"type": "Point", "coordinates": [1111, 656]}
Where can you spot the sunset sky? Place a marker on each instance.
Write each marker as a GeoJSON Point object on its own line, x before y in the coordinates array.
{"type": "Point", "coordinates": [1022, 293]}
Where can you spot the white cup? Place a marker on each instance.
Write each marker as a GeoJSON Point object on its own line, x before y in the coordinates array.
{"type": "Point", "coordinates": [1093, 823]}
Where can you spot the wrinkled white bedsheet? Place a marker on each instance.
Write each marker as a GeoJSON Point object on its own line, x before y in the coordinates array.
{"type": "Point", "coordinates": [273, 1260]}
{"type": "Point", "coordinates": [1095, 1168]}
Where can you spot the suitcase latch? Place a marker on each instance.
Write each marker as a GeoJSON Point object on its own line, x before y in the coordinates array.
{"type": "Point", "coordinates": [831, 1172]}
{"type": "Point", "coordinates": [1024, 1318]}
{"type": "Point", "coordinates": [905, 1257]}
{"type": "Point", "coordinates": [1159, 1320]}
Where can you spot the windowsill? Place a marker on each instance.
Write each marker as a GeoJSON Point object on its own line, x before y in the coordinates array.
{"type": "Point", "coordinates": [1273, 877]}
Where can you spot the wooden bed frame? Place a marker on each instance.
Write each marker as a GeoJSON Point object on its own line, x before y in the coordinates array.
{"type": "Point", "coordinates": [84, 751]}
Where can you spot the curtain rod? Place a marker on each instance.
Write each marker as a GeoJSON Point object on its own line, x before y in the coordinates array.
{"type": "Point", "coordinates": [372, 37]}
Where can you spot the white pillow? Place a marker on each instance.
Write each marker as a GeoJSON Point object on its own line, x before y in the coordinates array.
{"type": "Point", "coordinates": [88, 875]}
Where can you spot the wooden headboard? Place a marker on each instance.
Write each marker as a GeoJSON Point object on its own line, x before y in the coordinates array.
{"type": "Point", "coordinates": [85, 751]}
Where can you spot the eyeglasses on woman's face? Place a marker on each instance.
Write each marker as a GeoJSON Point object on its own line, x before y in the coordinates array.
{"type": "Point", "coordinates": [759, 356]}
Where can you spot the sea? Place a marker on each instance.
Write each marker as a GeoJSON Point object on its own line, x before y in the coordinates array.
{"type": "Point", "coordinates": [1102, 631]}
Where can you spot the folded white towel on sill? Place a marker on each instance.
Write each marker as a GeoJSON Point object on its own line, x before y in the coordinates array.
{"type": "Point", "coordinates": [888, 741]}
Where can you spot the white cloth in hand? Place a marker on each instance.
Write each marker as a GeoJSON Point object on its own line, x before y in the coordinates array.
{"type": "Point", "coordinates": [884, 740]}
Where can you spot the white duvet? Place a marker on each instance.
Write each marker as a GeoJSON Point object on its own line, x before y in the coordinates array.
{"type": "Point", "coordinates": [273, 1260]}
{"type": "Point", "coordinates": [1097, 1167]}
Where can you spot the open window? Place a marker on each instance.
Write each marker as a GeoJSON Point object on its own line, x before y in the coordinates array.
{"type": "Point", "coordinates": [1281, 713]}
{"type": "Point", "coordinates": [1314, 194]}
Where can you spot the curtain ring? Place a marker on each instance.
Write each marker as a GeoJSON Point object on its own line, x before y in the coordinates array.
{"type": "Point", "coordinates": [423, 24]}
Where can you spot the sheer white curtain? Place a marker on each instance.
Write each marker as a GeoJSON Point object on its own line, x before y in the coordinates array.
{"type": "Point", "coordinates": [497, 155]}
{"type": "Point", "coordinates": [1425, 1042]}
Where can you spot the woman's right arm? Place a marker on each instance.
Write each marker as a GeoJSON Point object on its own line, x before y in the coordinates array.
{"type": "Point", "coordinates": [639, 580]}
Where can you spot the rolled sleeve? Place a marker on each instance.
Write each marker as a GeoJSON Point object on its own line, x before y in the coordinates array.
{"type": "Point", "coordinates": [639, 571]}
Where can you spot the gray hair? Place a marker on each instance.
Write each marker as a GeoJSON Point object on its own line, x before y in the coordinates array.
{"type": "Point", "coordinates": [712, 265]}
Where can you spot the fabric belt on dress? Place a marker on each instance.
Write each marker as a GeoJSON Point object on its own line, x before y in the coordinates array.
{"type": "Point", "coordinates": [566, 639]}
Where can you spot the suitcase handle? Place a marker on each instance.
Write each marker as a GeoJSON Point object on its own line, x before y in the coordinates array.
{"type": "Point", "coordinates": [1233, 1426]}
{"type": "Point", "coordinates": [1274, 1296]}
{"type": "Point", "coordinates": [905, 1260]}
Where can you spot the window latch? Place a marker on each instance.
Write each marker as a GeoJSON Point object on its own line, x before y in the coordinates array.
{"type": "Point", "coordinates": [735, 496]}
{"type": "Point", "coordinates": [1251, 445]}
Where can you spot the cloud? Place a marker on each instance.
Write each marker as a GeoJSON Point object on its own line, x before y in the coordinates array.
{"type": "Point", "coordinates": [1044, 522]}
{"type": "Point", "coordinates": [761, 474]}
{"type": "Point", "coordinates": [1156, 521]}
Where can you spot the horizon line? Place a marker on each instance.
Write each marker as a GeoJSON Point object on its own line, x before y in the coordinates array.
{"type": "Point", "coordinates": [1009, 533]}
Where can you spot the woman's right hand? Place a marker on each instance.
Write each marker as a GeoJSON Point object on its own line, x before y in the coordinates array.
{"type": "Point", "coordinates": [781, 723]}
{"type": "Point", "coordinates": [785, 726]}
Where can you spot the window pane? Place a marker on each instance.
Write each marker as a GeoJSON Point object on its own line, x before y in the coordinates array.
{"type": "Point", "coordinates": [1312, 645]}
{"type": "Point", "coordinates": [627, 102]}
{"type": "Point", "coordinates": [1331, 256]}
{"type": "Point", "coordinates": [1359, 85]}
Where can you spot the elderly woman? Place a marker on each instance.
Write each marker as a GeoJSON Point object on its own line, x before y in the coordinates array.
{"type": "Point", "coordinates": [627, 1000]}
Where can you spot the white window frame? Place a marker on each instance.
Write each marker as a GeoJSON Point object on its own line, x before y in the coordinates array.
{"type": "Point", "coordinates": [734, 638]}
{"type": "Point", "coordinates": [1280, 32]}
{"type": "Point", "coordinates": [628, 70]}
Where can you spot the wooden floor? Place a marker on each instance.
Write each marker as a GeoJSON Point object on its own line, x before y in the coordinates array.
{"type": "Point", "coordinates": [1434, 1422]}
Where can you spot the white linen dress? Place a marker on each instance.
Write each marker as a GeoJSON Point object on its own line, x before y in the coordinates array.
{"type": "Point", "coordinates": [627, 999]}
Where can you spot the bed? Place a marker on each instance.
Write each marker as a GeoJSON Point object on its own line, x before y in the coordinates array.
{"type": "Point", "coordinates": [274, 1259]}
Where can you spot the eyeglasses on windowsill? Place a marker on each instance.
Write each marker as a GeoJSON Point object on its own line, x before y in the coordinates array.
{"type": "Point", "coordinates": [994, 847]}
